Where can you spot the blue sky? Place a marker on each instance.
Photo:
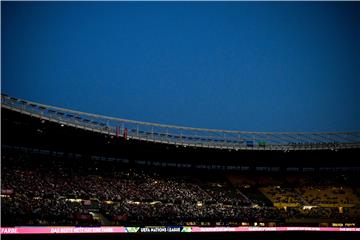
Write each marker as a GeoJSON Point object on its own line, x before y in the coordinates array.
{"type": "Point", "coordinates": [258, 66]}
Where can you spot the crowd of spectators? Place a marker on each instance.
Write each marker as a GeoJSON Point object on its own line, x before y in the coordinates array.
{"type": "Point", "coordinates": [279, 194]}
{"type": "Point", "coordinates": [56, 192]}
{"type": "Point", "coordinates": [316, 195]}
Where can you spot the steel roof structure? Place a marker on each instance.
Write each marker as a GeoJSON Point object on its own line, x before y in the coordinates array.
{"type": "Point", "coordinates": [185, 136]}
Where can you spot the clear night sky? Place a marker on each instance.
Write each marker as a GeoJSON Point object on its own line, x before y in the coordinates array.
{"type": "Point", "coordinates": [245, 66]}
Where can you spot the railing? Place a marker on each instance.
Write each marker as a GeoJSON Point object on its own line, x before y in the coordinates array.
{"type": "Point", "coordinates": [185, 136]}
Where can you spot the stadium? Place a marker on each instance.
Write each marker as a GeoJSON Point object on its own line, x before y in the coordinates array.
{"type": "Point", "coordinates": [180, 120]}
{"type": "Point", "coordinates": [67, 168]}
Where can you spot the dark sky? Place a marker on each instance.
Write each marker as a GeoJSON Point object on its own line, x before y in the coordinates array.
{"type": "Point", "coordinates": [257, 66]}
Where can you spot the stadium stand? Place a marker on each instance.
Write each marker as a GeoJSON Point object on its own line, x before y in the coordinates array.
{"type": "Point", "coordinates": [60, 172]}
{"type": "Point", "coordinates": [52, 191]}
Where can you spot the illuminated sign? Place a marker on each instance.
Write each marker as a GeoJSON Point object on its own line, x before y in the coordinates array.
{"type": "Point", "coordinates": [164, 229]}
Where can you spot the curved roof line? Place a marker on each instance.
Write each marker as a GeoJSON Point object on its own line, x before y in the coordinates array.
{"type": "Point", "coordinates": [162, 124]}
{"type": "Point", "coordinates": [180, 135]}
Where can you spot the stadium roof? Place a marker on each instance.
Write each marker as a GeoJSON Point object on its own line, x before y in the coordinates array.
{"type": "Point", "coordinates": [185, 136]}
